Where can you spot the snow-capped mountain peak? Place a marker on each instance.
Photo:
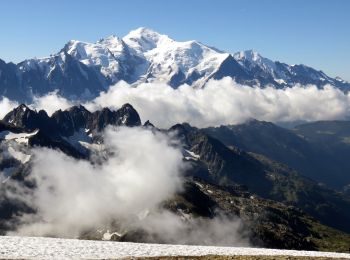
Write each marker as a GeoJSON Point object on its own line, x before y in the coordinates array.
{"type": "Point", "coordinates": [144, 39]}
{"type": "Point", "coordinates": [111, 39]}
{"type": "Point", "coordinates": [101, 54]}
{"type": "Point", "coordinates": [76, 49]}
{"type": "Point", "coordinates": [170, 61]}
{"type": "Point", "coordinates": [251, 58]}
{"type": "Point", "coordinates": [83, 69]}
{"type": "Point", "coordinates": [250, 55]}
{"type": "Point", "coordinates": [113, 43]}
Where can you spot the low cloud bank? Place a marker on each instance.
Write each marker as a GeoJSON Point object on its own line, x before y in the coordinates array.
{"type": "Point", "coordinates": [226, 102]}
{"type": "Point", "coordinates": [220, 102]}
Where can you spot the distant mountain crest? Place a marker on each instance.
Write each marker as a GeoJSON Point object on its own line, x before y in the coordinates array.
{"type": "Point", "coordinates": [81, 70]}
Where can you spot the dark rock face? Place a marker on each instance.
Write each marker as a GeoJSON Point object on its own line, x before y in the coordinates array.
{"type": "Point", "coordinates": [177, 79]}
{"type": "Point", "coordinates": [10, 83]}
{"type": "Point", "coordinates": [271, 223]}
{"type": "Point", "coordinates": [231, 68]}
{"type": "Point", "coordinates": [42, 139]}
{"type": "Point", "coordinates": [313, 149]}
{"type": "Point", "coordinates": [100, 119]}
{"type": "Point", "coordinates": [71, 120]}
{"type": "Point", "coordinates": [262, 176]}
{"type": "Point", "coordinates": [224, 164]}
{"type": "Point", "coordinates": [53, 130]}
{"type": "Point", "coordinates": [148, 124]}
{"type": "Point", "coordinates": [24, 117]}
{"type": "Point", "coordinates": [9, 127]}
{"type": "Point", "coordinates": [72, 78]}
{"type": "Point", "coordinates": [125, 116]}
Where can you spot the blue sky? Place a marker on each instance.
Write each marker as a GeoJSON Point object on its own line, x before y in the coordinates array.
{"type": "Point", "coordinates": [313, 32]}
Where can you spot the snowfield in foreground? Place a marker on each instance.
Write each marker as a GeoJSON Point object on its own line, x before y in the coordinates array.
{"type": "Point", "coordinates": [57, 248]}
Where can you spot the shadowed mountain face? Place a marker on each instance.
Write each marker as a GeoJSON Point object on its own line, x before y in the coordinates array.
{"type": "Point", "coordinates": [65, 123]}
{"type": "Point", "coordinates": [234, 171]}
{"type": "Point", "coordinates": [82, 70]}
{"type": "Point", "coordinates": [317, 150]}
{"type": "Point", "coordinates": [56, 130]}
{"type": "Point", "coordinates": [267, 178]}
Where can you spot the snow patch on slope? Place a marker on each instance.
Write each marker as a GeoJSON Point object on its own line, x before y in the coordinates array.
{"type": "Point", "coordinates": [57, 248]}
{"type": "Point", "coordinates": [21, 138]}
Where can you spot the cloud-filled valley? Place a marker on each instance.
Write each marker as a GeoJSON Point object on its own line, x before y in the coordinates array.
{"type": "Point", "coordinates": [120, 189]}
{"type": "Point", "coordinates": [124, 185]}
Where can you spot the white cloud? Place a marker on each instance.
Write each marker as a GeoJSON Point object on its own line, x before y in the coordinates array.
{"type": "Point", "coordinates": [220, 230]}
{"type": "Point", "coordinates": [220, 102]}
{"type": "Point", "coordinates": [226, 102]}
{"type": "Point", "coordinates": [6, 105]}
{"type": "Point", "coordinates": [143, 169]}
{"type": "Point", "coordinates": [72, 195]}
{"type": "Point", "coordinates": [51, 102]}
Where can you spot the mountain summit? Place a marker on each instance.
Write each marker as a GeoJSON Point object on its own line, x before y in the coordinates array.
{"type": "Point", "coordinates": [81, 70]}
{"type": "Point", "coordinates": [144, 39]}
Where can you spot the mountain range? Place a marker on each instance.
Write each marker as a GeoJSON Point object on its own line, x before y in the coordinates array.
{"type": "Point", "coordinates": [281, 207]}
{"type": "Point", "coordinates": [81, 70]}
{"type": "Point", "coordinates": [289, 186]}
